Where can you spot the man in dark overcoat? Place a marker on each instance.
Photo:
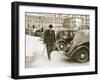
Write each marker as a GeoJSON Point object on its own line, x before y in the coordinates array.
{"type": "Point", "coordinates": [49, 40]}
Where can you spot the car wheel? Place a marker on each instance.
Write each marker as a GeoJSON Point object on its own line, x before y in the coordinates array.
{"type": "Point", "coordinates": [61, 46]}
{"type": "Point", "coordinates": [82, 55]}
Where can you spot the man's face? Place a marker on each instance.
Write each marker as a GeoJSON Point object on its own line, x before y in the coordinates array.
{"type": "Point", "coordinates": [50, 28]}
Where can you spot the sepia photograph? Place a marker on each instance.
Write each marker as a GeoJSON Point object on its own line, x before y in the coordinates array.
{"type": "Point", "coordinates": [51, 40]}
{"type": "Point", "coordinates": [56, 40]}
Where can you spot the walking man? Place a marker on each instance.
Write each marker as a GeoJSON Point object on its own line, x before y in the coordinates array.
{"type": "Point", "coordinates": [49, 40]}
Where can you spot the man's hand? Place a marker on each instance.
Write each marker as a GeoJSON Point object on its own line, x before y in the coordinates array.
{"type": "Point", "coordinates": [54, 46]}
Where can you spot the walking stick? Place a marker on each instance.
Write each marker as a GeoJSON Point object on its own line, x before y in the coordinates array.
{"type": "Point", "coordinates": [43, 50]}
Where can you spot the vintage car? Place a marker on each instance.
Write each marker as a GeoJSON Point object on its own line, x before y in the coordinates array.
{"type": "Point", "coordinates": [78, 50]}
{"type": "Point", "coordinates": [38, 32]}
{"type": "Point", "coordinates": [63, 37]}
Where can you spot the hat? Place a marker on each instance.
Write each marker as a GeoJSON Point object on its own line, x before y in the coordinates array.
{"type": "Point", "coordinates": [50, 26]}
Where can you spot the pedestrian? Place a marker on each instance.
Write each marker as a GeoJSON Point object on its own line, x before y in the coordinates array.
{"type": "Point", "coordinates": [49, 40]}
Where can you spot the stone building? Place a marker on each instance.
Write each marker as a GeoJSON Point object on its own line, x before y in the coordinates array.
{"type": "Point", "coordinates": [70, 21]}
{"type": "Point", "coordinates": [74, 21]}
{"type": "Point", "coordinates": [42, 21]}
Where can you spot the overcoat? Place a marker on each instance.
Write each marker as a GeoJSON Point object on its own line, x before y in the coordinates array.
{"type": "Point", "coordinates": [49, 36]}
{"type": "Point", "coordinates": [49, 39]}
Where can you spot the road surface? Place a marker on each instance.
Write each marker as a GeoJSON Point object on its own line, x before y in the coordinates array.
{"type": "Point", "coordinates": [36, 55]}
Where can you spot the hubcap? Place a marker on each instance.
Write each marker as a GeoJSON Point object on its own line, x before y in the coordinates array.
{"type": "Point", "coordinates": [61, 46]}
{"type": "Point", "coordinates": [82, 56]}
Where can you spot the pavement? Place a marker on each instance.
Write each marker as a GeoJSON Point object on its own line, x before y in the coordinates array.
{"type": "Point", "coordinates": [36, 55]}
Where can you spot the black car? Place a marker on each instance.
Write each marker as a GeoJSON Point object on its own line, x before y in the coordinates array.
{"type": "Point", "coordinates": [63, 38]}
{"type": "Point", "coordinates": [38, 32]}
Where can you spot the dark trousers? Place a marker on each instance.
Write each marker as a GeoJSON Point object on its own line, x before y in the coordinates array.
{"type": "Point", "coordinates": [49, 50]}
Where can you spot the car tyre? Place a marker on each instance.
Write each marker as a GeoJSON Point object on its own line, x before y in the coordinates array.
{"type": "Point", "coordinates": [61, 46]}
{"type": "Point", "coordinates": [82, 55]}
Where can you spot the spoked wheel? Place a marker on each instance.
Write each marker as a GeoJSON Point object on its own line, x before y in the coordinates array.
{"type": "Point", "coordinates": [82, 56]}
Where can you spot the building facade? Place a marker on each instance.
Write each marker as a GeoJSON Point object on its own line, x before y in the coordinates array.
{"type": "Point", "coordinates": [43, 21]}
{"type": "Point", "coordinates": [74, 21]}
{"type": "Point", "coordinates": [58, 21]}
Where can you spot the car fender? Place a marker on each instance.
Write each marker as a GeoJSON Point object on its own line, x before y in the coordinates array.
{"type": "Point", "coordinates": [76, 49]}
{"type": "Point", "coordinates": [61, 40]}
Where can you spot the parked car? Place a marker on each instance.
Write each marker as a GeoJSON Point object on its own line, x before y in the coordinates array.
{"type": "Point", "coordinates": [78, 50]}
{"type": "Point", "coordinates": [38, 32]}
{"type": "Point", "coordinates": [63, 37]}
